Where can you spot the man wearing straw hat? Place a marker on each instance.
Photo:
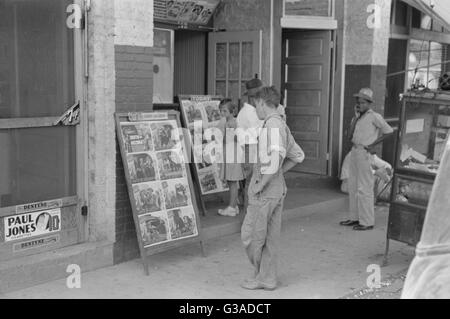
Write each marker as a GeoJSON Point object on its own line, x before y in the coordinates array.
{"type": "Point", "coordinates": [364, 134]}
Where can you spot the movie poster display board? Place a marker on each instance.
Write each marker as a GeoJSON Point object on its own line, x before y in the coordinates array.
{"type": "Point", "coordinates": [198, 12]}
{"type": "Point", "coordinates": [159, 181]}
{"type": "Point", "coordinates": [204, 108]}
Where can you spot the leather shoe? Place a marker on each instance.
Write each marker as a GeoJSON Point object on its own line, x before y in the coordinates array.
{"type": "Point", "coordinates": [362, 228]}
{"type": "Point", "coordinates": [349, 223]}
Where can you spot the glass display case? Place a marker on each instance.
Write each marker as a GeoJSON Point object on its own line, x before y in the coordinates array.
{"type": "Point", "coordinates": [423, 134]}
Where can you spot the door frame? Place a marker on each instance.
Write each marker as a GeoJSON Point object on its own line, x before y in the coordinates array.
{"type": "Point", "coordinates": [80, 84]}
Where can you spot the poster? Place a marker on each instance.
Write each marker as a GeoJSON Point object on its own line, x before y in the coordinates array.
{"type": "Point", "coordinates": [160, 190]}
{"type": "Point", "coordinates": [197, 12]}
{"type": "Point", "coordinates": [32, 225]}
{"type": "Point", "coordinates": [205, 109]}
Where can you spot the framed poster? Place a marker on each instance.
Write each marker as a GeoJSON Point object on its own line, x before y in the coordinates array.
{"type": "Point", "coordinates": [197, 12]}
{"type": "Point", "coordinates": [204, 109]}
{"type": "Point", "coordinates": [159, 182]}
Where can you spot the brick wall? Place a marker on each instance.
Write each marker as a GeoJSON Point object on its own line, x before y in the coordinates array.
{"type": "Point", "coordinates": [134, 92]}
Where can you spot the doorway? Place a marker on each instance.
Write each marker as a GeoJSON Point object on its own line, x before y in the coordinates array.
{"type": "Point", "coordinates": [39, 169]}
{"type": "Point", "coordinates": [306, 87]}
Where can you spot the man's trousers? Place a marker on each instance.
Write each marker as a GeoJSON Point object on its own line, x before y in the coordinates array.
{"type": "Point", "coordinates": [360, 187]}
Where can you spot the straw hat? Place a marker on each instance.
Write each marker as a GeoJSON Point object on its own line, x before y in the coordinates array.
{"type": "Point", "coordinates": [366, 94]}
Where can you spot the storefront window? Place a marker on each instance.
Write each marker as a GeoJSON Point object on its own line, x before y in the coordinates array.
{"type": "Point", "coordinates": [426, 60]}
{"type": "Point", "coordinates": [36, 81]}
{"type": "Point", "coordinates": [320, 8]}
{"type": "Point", "coordinates": [421, 20]}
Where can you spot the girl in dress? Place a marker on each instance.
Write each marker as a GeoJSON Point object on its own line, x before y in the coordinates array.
{"type": "Point", "coordinates": [231, 170]}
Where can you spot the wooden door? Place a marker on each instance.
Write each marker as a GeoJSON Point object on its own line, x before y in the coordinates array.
{"type": "Point", "coordinates": [306, 89]}
{"type": "Point", "coordinates": [235, 58]}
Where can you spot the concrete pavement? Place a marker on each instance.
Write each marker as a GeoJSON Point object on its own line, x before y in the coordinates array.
{"type": "Point", "coordinates": [318, 259]}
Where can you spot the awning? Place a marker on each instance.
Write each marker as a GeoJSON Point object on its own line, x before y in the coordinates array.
{"type": "Point", "coordinates": [438, 10]}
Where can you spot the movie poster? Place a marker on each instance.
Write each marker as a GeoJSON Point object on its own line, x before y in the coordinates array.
{"type": "Point", "coordinates": [157, 171]}
{"type": "Point", "coordinates": [182, 223]}
{"type": "Point", "coordinates": [137, 137]}
{"type": "Point", "coordinates": [206, 110]}
{"type": "Point", "coordinates": [185, 11]}
{"type": "Point", "coordinates": [154, 229]}
{"type": "Point", "coordinates": [166, 135]}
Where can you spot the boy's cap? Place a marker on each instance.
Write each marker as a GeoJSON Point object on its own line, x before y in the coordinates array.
{"type": "Point", "coordinates": [253, 86]}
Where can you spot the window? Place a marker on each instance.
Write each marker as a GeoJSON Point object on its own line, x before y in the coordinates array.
{"type": "Point", "coordinates": [426, 60]}
{"type": "Point", "coordinates": [399, 13]}
{"type": "Point", "coordinates": [163, 66]}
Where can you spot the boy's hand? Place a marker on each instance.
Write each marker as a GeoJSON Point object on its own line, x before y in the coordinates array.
{"type": "Point", "coordinates": [258, 188]}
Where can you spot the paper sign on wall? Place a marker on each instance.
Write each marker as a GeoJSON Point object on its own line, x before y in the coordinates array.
{"type": "Point", "coordinates": [415, 126]}
{"type": "Point", "coordinates": [32, 224]}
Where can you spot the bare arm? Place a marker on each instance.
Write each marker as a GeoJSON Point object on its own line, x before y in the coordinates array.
{"type": "Point", "coordinates": [288, 165]}
{"type": "Point", "coordinates": [371, 147]}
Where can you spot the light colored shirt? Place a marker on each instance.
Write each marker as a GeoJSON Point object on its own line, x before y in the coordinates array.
{"type": "Point", "coordinates": [368, 128]}
{"type": "Point", "coordinates": [276, 188]}
{"type": "Point", "coordinates": [285, 145]}
{"type": "Point", "coordinates": [294, 152]}
{"type": "Point", "coordinates": [249, 124]}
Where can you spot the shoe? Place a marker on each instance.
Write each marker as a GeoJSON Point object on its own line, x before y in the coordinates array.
{"type": "Point", "coordinates": [362, 228]}
{"type": "Point", "coordinates": [349, 223]}
{"type": "Point", "coordinates": [251, 284]}
{"type": "Point", "coordinates": [229, 212]}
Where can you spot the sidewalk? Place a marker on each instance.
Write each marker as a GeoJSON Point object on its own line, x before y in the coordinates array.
{"type": "Point", "coordinates": [318, 259]}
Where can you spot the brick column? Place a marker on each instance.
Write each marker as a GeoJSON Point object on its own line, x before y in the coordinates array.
{"type": "Point", "coordinates": [133, 44]}
{"type": "Point", "coordinates": [366, 36]}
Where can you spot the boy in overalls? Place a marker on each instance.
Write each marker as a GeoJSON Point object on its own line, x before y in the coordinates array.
{"type": "Point", "coordinates": [267, 190]}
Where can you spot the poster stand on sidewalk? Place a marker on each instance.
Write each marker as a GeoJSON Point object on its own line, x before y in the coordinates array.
{"type": "Point", "coordinates": [203, 109]}
{"type": "Point", "coordinates": [160, 187]}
